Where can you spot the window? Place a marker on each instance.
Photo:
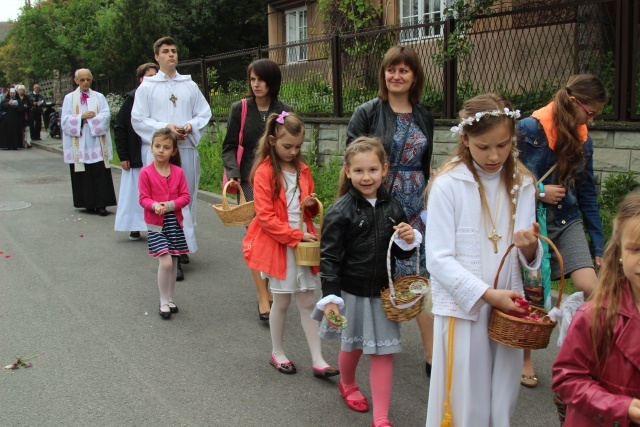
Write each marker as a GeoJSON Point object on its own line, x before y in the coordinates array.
{"type": "Point", "coordinates": [421, 11]}
{"type": "Point", "coordinates": [296, 21]}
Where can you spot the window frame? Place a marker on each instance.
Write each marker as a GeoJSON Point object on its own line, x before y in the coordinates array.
{"type": "Point", "coordinates": [418, 34]}
{"type": "Point", "coordinates": [296, 53]}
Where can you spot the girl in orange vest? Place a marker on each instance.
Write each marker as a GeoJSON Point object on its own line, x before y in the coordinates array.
{"type": "Point", "coordinates": [282, 184]}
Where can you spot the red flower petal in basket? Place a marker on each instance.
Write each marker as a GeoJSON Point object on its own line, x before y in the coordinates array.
{"type": "Point", "coordinates": [522, 303]}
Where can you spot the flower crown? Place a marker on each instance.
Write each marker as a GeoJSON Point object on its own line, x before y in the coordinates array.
{"type": "Point", "coordinates": [468, 121]}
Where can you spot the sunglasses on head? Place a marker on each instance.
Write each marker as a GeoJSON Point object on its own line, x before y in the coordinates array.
{"type": "Point", "coordinates": [590, 114]}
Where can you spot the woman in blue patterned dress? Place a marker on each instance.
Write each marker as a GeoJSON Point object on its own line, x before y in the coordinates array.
{"type": "Point", "coordinates": [405, 129]}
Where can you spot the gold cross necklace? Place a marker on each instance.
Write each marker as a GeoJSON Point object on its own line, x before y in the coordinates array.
{"type": "Point", "coordinates": [494, 236]}
{"type": "Point", "coordinates": [172, 98]}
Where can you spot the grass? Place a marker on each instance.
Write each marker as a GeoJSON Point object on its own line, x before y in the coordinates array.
{"type": "Point", "coordinates": [569, 287]}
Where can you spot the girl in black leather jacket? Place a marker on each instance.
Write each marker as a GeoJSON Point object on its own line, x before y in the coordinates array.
{"type": "Point", "coordinates": [356, 233]}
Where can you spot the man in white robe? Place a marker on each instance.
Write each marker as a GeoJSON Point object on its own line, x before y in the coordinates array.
{"type": "Point", "coordinates": [86, 144]}
{"type": "Point", "coordinates": [130, 215]}
{"type": "Point", "coordinates": [174, 101]}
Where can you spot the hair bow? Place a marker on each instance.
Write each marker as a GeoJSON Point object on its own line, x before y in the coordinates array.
{"type": "Point", "coordinates": [281, 117]}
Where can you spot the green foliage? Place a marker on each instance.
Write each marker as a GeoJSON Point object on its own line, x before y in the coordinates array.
{"type": "Point", "coordinates": [606, 71]}
{"type": "Point", "coordinates": [311, 95]}
{"type": "Point", "coordinates": [210, 150]}
{"type": "Point", "coordinates": [130, 28]}
{"type": "Point", "coordinates": [465, 13]}
{"type": "Point", "coordinates": [340, 16]}
{"type": "Point", "coordinates": [361, 55]}
{"type": "Point", "coordinates": [222, 98]}
{"type": "Point", "coordinates": [613, 189]}
{"type": "Point", "coordinates": [325, 175]}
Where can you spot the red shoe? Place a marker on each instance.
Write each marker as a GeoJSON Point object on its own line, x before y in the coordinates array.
{"type": "Point", "coordinates": [357, 405]}
{"type": "Point", "coordinates": [384, 423]}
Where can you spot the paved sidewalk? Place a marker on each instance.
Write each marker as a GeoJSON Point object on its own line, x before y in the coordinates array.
{"type": "Point", "coordinates": [84, 299]}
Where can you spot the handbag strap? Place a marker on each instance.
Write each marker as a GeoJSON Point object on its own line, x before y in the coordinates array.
{"type": "Point", "coordinates": [243, 119]}
{"type": "Point", "coordinates": [551, 169]}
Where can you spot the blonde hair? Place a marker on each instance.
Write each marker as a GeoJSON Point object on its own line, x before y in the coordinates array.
{"type": "Point", "coordinates": [293, 125]}
{"type": "Point", "coordinates": [587, 89]}
{"type": "Point", "coordinates": [362, 144]}
{"type": "Point", "coordinates": [513, 171]}
{"type": "Point", "coordinates": [607, 295]}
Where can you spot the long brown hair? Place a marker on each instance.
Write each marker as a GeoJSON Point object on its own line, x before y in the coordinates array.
{"type": "Point", "coordinates": [394, 56]}
{"type": "Point", "coordinates": [587, 89]}
{"type": "Point", "coordinates": [166, 133]}
{"type": "Point", "coordinates": [362, 144]}
{"type": "Point", "coordinates": [486, 103]}
{"type": "Point", "coordinates": [292, 125]}
{"type": "Point", "coordinates": [607, 295]}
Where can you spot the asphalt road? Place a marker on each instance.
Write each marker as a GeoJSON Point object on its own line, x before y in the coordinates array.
{"type": "Point", "coordinates": [83, 299]}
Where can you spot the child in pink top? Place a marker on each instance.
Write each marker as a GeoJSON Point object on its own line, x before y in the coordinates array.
{"type": "Point", "coordinates": [163, 193]}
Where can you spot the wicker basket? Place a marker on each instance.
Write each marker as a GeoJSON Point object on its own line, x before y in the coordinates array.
{"type": "Point", "coordinates": [240, 214]}
{"type": "Point", "coordinates": [522, 333]}
{"type": "Point", "coordinates": [402, 300]}
{"type": "Point", "coordinates": [308, 253]}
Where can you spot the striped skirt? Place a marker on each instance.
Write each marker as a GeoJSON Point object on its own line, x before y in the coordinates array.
{"type": "Point", "coordinates": [170, 240]}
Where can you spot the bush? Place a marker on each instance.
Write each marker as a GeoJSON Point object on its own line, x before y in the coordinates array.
{"type": "Point", "coordinates": [612, 191]}
{"type": "Point", "coordinates": [211, 166]}
{"type": "Point", "coordinates": [325, 175]}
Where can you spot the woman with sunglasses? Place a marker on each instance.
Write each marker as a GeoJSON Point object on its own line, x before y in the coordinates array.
{"type": "Point", "coordinates": [555, 138]}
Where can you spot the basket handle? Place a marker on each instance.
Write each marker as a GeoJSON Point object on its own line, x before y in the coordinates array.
{"type": "Point", "coordinates": [560, 262]}
{"type": "Point", "coordinates": [225, 202]}
{"type": "Point", "coordinates": [320, 212]}
{"type": "Point", "coordinates": [392, 292]}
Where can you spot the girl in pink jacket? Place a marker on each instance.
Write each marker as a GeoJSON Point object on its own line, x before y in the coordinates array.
{"type": "Point", "coordinates": [163, 194]}
{"type": "Point", "coordinates": [597, 372]}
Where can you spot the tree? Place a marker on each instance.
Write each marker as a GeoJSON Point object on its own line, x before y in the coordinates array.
{"type": "Point", "coordinates": [130, 29]}
{"type": "Point", "coordinates": [208, 27]}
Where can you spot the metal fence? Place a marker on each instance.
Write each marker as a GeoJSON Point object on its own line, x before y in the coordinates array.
{"type": "Point", "coordinates": [526, 52]}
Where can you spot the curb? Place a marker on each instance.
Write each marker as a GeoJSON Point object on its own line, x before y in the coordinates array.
{"type": "Point", "coordinates": [203, 195]}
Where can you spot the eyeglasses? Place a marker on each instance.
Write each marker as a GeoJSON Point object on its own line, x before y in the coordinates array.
{"type": "Point", "coordinates": [590, 114]}
{"type": "Point", "coordinates": [85, 80]}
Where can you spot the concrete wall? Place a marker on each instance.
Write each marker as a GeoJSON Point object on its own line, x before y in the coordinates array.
{"type": "Point", "coordinates": [615, 150]}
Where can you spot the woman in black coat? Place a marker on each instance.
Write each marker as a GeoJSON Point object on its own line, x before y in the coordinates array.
{"type": "Point", "coordinates": [405, 129]}
{"type": "Point", "coordinates": [16, 111]}
{"type": "Point", "coordinates": [264, 80]}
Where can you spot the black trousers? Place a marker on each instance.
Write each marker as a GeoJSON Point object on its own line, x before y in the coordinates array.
{"type": "Point", "coordinates": [36, 125]}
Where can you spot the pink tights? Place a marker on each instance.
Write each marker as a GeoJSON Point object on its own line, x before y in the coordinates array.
{"type": "Point", "coordinates": [380, 377]}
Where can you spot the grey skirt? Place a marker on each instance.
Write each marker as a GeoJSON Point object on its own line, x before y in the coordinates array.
{"type": "Point", "coordinates": [368, 328]}
{"type": "Point", "coordinates": [572, 244]}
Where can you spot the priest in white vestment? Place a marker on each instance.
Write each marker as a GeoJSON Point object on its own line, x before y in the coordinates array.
{"type": "Point", "coordinates": [86, 144]}
{"type": "Point", "coordinates": [174, 101]}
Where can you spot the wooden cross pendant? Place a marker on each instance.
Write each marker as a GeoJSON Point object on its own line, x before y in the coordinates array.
{"type": "Point", "coordinates": [173, 99]}
{"type": "Point", "coordinates": [494, 237]}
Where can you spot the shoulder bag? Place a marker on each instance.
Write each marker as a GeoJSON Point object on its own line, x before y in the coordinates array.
{"type": "Point", "coordinates": [243, 119]}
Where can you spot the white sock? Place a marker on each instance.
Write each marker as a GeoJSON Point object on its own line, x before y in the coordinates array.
{"type": "Point", "coordinates": [277, 318]}
{"type": "Point", "coordinates": [172, 277]}
{"type": "Point", "coordinates": [306, 302]}
{"type": "Point", "coordinates": [164, 278]}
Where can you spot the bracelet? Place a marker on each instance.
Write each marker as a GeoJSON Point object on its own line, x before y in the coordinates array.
{"type": "Point", "coordinates": [541, 188]}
